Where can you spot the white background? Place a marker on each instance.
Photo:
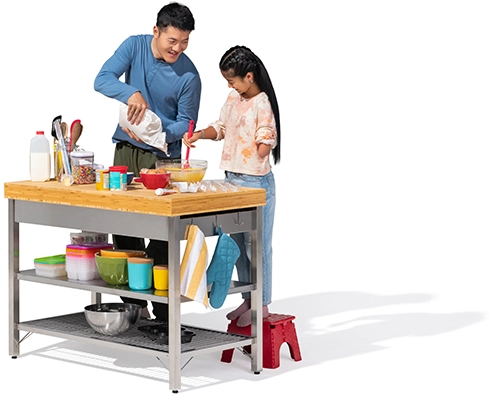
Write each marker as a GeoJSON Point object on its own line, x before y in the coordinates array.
{"type": "Point", "coordinates": [383, 224]}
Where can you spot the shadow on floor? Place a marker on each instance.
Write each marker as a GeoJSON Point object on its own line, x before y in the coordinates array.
{"type": "Point", "coordinates": [320, 340]}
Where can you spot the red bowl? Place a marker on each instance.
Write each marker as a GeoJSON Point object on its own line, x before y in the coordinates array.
{"type": "Point", "coordinates": [154, 181]}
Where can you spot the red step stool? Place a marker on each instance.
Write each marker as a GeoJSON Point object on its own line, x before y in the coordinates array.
{"type": "Point", "coordinates": [277, 329]}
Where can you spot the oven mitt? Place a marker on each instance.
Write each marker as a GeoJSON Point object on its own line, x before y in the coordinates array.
{"type": "Point", "coordinates": [219, 272]}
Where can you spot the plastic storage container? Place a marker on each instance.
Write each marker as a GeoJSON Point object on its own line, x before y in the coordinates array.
{"type": "Point", "coordinates": [88, 238]}
{"type": "Point", "coordinates": [117, 177]}
{"type": "Point", "coordinates": [83, 171]}
{"type": "Point", "coordinates": [80, 260]}
{"type": "Point", "coordinates": [39, 159]}
{"type": "Point", "coordinates": [140, 273]}
{"type": "Point", "coordinates": [50, 266]}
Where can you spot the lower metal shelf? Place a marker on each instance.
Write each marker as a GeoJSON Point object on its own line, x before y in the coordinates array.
{"type": "Point", "coordinates": [74, 326]}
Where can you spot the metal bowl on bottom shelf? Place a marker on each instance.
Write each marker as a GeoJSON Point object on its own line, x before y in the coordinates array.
{"type": "Point", "coordinates": [112, 318]}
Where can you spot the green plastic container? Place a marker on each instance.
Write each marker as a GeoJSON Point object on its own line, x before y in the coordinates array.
{"type": "Point", "coordinates": [51, 266]}
{"type": "Point", "coordinates": [51, 260]}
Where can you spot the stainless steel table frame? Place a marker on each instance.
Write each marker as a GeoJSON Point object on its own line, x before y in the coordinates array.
{"type": "Point", "coordinates": [168, 228]}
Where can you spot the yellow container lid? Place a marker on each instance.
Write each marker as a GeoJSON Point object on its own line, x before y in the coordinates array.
{"type": "Point", "coordinates": [120, 253]}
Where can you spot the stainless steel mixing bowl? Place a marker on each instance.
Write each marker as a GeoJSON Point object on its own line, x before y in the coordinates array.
{"type": "Point", "coordinates": [112, 318]}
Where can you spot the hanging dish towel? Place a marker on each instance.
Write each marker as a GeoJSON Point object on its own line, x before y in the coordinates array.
{"type": "Point", "coordinates": [219, 273]}
{"type": "Point", "coordinates": [193, 266]}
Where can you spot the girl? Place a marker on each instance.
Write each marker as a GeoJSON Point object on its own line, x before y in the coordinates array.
{"type": "Point", "coordinates": [249, 124]}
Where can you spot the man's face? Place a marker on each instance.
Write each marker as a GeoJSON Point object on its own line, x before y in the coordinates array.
{"type": "Point", "coordinates": [170, 43]}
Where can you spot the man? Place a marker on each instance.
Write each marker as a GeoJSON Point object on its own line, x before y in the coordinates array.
{"type": "Point", "coordinates": [159, 77]}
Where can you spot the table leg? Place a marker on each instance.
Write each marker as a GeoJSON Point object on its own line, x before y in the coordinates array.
{"type": "Point", "coordinates": [174, 306]}
{"type": "Point", "coordinates": [257, 294]}
{"type": "Point", "coordinates": [13, 246]}
{"type": "Point", "coordinates": [96, 298]}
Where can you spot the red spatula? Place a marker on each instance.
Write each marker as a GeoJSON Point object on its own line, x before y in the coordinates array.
{"type": "Point", "coordinates": [186, 163]}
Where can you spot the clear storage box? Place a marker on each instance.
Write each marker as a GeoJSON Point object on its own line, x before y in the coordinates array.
{"type": "Point", "coordinates": [51, 266]}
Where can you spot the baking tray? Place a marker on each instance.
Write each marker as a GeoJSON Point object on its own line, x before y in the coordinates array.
{"type": "Point", "coordinates": [160, 333]}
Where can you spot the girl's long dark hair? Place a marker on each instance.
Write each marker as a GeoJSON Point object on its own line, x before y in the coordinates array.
{"type": "Point", "coordinates": [242, 60]}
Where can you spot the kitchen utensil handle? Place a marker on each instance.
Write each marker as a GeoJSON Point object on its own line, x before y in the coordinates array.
{"type": "Point", "coordinates": [190, 134]}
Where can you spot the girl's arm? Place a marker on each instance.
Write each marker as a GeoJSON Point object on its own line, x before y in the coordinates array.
{"type": "Point", "coordinates": [265, 134]}
{"type": "Point", "coordinates": [210, 132]}
{"type": "Point", "coordinates": [207, 133]}
{"type": "Point", "coordinates": [264, 150]}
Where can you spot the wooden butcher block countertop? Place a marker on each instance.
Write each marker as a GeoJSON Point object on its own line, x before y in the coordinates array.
{"type": "Point", "coordinates": [136, 199]}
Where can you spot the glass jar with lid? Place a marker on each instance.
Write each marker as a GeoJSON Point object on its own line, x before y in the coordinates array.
{"type": "Point", "coordinates": [83, 167]}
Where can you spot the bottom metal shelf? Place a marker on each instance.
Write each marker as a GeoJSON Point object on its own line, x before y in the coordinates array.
{"type": "Point", "coordinates": [74, 325]}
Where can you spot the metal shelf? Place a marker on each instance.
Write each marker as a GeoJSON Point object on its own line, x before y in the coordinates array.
{"type": "Point", "coordinates": [74, 327]}
{"type": "Point", "coordinates": [100, 286]}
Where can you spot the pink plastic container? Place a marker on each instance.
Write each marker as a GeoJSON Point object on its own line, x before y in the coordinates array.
{"type": "Point", "coordinates": [80, 261]}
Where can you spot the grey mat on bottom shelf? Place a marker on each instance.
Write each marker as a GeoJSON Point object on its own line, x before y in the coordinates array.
{"type": "Point", "coordinates": [76, 324]}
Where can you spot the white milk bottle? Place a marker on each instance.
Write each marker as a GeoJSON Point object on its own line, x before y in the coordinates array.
{"type": "Point", "coordinates": [39, 161]}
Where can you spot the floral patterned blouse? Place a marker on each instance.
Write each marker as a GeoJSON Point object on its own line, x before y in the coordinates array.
{"type": "Point", "coordinates": [243, 124]}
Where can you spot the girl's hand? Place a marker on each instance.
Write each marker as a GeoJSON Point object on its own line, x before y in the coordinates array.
{"type": "Point", "coordinates": [190, 141]}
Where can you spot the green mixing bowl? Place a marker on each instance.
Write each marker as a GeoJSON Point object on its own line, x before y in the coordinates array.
{"type": "Point", "coordinates": [112, 270]}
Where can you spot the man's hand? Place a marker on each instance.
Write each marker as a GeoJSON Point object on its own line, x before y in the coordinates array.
{"type": "Point", "coordinates": [137, 105]}
{"type": "Point", "coordinates": [131, 134]}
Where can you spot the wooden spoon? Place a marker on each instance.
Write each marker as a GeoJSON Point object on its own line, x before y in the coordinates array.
{"type": "Point", "coordinates": [64, 129]}
{"type": "Point", "coordinates": [76, 132]}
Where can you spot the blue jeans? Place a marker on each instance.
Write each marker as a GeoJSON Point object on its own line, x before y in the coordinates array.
{"type": "Point", "coordinates": [243, 240]}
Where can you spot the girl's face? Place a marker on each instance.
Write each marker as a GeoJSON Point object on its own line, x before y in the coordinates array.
{"type": "Point", "coordinates": [244, 86]}
{"type": "Point", "coordinates": [169, 44]}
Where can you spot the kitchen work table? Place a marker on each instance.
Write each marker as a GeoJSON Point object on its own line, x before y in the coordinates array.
{"type": "Point", "coordinates": [135, 212]}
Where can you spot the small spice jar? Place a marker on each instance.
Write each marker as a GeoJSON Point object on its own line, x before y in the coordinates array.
{"type": "Point", "coordinates": [102, 179]}
{"type": "Point", "coordinates": [83, 167]}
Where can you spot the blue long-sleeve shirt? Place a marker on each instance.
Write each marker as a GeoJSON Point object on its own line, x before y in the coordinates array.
{"type": "Point", "coordinates": [172, 90]}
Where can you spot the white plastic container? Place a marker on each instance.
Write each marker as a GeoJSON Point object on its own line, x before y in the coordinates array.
{"type": "Point", "coordinates": [50, 266]}
{"type": "Point", "coordinates": [50, 270]}
{"type": "Point", "coordinates": [82, 267]}
{"type": "Point", "coordinates": [39, 160]}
